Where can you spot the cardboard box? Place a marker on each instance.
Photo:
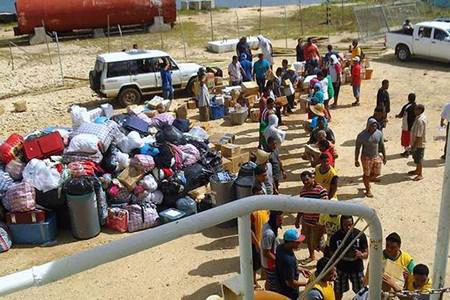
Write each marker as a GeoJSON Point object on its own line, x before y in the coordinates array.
{"type": "Point", "coordinates": [230, 150]}
{"type": "Point", "coordinates": [130, 177]}
{"type": "Point", "coordinates": [249, 88]}
{"type": "Point", "coordinates": [218, 80]}
{"type": "Point", "coordinates": [181, 111]}
{"type": "Point", "coordinates": [255, 114]}
{"type": "Point", "coordinates": [135, 109]}
{"type": "Point", "coordinates": [233, 164]}
{"type": "Point", "coordinates": [199, 193]}
{"type": "Point", "coordinates": [220, 139]}
{"type": "Point", "coordinates": [192, 104]}
{"type": "Point", "coordinates": [251, 99]}
{"type": "Point", "coordinates": [281, 101]}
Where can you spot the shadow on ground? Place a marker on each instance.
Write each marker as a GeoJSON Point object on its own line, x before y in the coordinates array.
{"type": "Point", "coordinates": [217, 267]}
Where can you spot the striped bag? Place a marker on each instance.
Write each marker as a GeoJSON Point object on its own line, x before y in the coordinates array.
{"type": "Point", "coordinates": [21, 197]}
{"type": "Point", "coordinates": [142, 216]}
{"type": "Point", "coordinates": [5, 238]}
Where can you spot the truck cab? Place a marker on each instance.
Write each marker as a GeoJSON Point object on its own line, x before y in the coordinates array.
{"type": "Point", "coordinates": [429, 40]}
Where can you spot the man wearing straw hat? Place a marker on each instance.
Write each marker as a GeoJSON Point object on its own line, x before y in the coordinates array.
{"type": "Point", "coordinates": [317, 110]}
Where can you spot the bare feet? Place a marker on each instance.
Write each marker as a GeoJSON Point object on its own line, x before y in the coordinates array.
{"type": "Point", "coordinates": [369, 194]}
{"type": "Point", "coordinates": [412, 172]}
{"type": "Point", "coordinates": [418, 178]}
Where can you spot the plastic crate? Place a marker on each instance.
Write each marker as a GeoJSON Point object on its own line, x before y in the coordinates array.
{"type": "Point", "coordinates": [38, 233]}
{"type": "Point", "coordinates": [217, 112]}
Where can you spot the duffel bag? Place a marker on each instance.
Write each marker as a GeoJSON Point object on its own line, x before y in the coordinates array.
{"type": "Point", "coordinates": [142, 216]}
{"type": "Point", "coordinates": [44, 146]}
{"type": "Point", "coordinates": [21, 197]}
{"type": "Point", "coordinates": [104, 133]}
{"type": "Point", "coordinates": [11, 148]}
{"type": "Point", "coordinates": [51, 199]}
{"type": "Point", "coordinates": [5, 181]}
{"type": "Point", "coordinates": [5, 238]}
{"type": "Point", "coordinates": [117, 219]}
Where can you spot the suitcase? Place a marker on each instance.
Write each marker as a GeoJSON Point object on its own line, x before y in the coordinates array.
{"type": "Point", "coordinates": [30, 217]}
{"type": "Point", "coordinates": [170, 215]}
{"type": "Point", "coordinates": [137, 124]}
{"type": "Point", "coordinates": [11, 148]}
{"type": "Point", "coordinates": [44, 146]}
{"type": "Point", "coordinates": [37, 233]}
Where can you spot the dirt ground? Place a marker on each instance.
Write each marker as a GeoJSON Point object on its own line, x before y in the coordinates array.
{"type": "Point", "coordinates": [192, 267]}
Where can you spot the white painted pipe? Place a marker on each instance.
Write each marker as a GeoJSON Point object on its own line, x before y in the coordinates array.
{"type": "Point", "coordinates": [245, 256]}
{"type": "Point", "coordinates": [443, 233]}
{"type": "Point", "coordinates": [67, 266]}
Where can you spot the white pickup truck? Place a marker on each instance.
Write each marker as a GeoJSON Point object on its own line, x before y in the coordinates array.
{"type": "Point", "coordinates": [427, 39]}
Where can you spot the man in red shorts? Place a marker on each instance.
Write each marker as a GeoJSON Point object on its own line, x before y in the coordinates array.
{"type": "Point", "coordinates": [372, 143]}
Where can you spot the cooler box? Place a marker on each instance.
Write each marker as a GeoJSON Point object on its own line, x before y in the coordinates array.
{"type": "Point", "coordinates": [217, 112]}
{"type": "Point", "coordinates": [170, 215]}
{"type": "Point", "coordinates": [38, 233]}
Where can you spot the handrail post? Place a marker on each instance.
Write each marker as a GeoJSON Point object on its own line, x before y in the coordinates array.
{"type": "Point", "coordinates": [245, 253]}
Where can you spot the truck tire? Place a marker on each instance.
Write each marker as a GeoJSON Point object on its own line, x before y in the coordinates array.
{"type": "Point", "coordinates": [403, 53]}
{"type": "Point", "coordinates": [190, 87]}
{"type": "Point", "coordinates": [129, 96]}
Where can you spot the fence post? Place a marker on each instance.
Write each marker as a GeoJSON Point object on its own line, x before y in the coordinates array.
{"type": "Point", "coordinates": [237, 23]}
{"type": "Point", "coordinates": [212, 26]}
{"type": "Point", "coordinates": [183, 37]}
{"type": "Point", "coordinates": [46, 42]}
{"type": "Point", "coordinates": [12, 57]}
{"type": "Point", "coordinates": [59, 56]}
{"type": "Point", "coordinates": [107, 19]}
{"type": "Point", "coordinates": [300, 14]}
{"type": "Point", "coordinates": [121, 36]}
{"type": "Point", "coordinates": [260, 16]}
{"type": "Point", "coordinates": [285, 27]}
{"type": "Point", "coordinates": [245, 256]}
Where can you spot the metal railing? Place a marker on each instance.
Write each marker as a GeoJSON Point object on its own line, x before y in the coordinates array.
{"type": "Point", "coordinates": [67, 266]}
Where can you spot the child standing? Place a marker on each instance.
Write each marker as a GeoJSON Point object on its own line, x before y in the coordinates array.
{"type": "Point", "coordinates": [408, 116]}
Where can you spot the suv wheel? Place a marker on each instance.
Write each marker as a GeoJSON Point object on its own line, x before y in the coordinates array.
{"type": "Point", "coordinates": [403, 53]}
{"type": "Point", "coordinates": [129, 96]}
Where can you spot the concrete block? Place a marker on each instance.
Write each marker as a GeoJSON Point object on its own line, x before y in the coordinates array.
{"type": "Point", "coordinates": [99, 33]}
{"type": "Point", "coordinates": [159, 25]}
{"type": "Point", "coordinates": [39, 36]}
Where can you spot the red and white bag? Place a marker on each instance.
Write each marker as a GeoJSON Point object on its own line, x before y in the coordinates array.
{"type": "Point", "coordinates": [143, 162]}
{"type": "Point", "coordinates": [117, 219]}
{"type": "Point", "coordinates": [21, 197]}
{"type": "Point", "coordinates": [82, 168]}
{"type": "Point", "coordinates": [5, 238]}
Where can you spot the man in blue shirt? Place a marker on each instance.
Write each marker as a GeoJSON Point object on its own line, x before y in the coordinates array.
{"type": "Point", "coordinates": [166, 78]}
{"type": "Point", "coordinates": [260, 69]}
{"type": "Point", "coordinates": [247, 66]}
{"type": "Point", "coordinates": [286, 266]}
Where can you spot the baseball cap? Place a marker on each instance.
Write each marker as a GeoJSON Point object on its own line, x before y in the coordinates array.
{"type": "Point", "coordinates": [292, 235]}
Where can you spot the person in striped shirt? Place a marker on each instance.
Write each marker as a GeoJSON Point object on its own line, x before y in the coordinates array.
{"type": "Point", "coordinates": [310, 221]}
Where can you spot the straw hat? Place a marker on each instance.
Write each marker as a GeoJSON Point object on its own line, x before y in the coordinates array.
{"type": "Point", "coordinates": [262, 157]}
{"type": "Point", "coordinates": [318, 109]}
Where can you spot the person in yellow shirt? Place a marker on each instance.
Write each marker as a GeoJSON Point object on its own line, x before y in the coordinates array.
{"type": "Point", "coordinates": [393, 252]}
{"type": "Point", "coordinates": [355, 49]}
{"type": "Point", "coordinates": [418, 281]}
{"type": "Point", "coordinates": [326, 176]}
{"type": "Point", "coordinates": [323, 289]}
{"type": "Point", "coordinates": [331, 224]}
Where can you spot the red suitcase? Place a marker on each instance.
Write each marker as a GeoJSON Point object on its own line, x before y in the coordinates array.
{"type": "Point", "coordinates": [44, 146]}
{"type": "Point", "coordinates": [11, 148]}
{"type": "Point", "coordinates": [29, 217]}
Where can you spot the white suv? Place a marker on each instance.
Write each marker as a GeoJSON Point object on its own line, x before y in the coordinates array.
{"type": "Point", "coordinates": [129, 75]}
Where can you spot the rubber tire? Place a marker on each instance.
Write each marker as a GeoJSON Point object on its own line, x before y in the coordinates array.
{"type": "Point", "coordinates": [129, 96]}
{"type": "Point", "coordinates": [403, 53]}
{"type": "Point", "coordinates": [190, 87]}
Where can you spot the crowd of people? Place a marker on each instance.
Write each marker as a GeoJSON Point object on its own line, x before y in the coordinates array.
{"type": "Point", "coordinates": [324, 234]}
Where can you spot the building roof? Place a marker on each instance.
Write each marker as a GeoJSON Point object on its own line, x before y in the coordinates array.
{"type": "Point", "coordinates": [131, 54]}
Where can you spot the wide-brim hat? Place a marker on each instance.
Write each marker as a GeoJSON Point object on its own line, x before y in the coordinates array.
{"type": "Point", "coordinates": [262, 157]}
{"type": "Point", "coordinates": [318, 109]}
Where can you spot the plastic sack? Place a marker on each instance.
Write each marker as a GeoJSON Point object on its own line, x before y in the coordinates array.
{"type": "Point", "coordinates": [117, 219]}
{"type": "Point", "coordinates": [122, 159]}
{"type": "Point", "coordinates": [149, 183]}
{"type": "Point", "coordinates": [163, 119]}
{"type": "Point", "coordinates": [84, 142]}
{"type": "Point", "coordinates": [182, 124]}
{"type": "Point", "coordinates": [199, 134]}
{"type": "Point", "coordinates": [187, 205]}
{"type": "Point", "coordinates": [170, 134]}
{"type": "Point", "coordinates": [108, 110]}
{"type": "Point", "coordinates": [156, 197]}
{"type": "Point", "coordinates": [79, 186]}
{"type": "Point", "coordinates": [130, 142]}
{"type": "Point", "coordinates": [42, 177]}
{"type": "Point", "coordinates": [15, 169]}
{"type": "Point", "coordinates": [79, 116]}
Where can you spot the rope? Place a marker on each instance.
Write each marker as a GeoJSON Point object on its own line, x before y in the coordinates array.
{"type": "Point", "coordinates": [328, 267]}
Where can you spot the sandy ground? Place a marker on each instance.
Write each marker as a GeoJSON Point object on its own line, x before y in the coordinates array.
{"type": "Point", "coordinates": [192, 267]}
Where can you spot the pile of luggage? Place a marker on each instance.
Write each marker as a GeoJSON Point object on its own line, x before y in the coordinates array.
{"type": "Point", "coordinates": [125, 172]}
